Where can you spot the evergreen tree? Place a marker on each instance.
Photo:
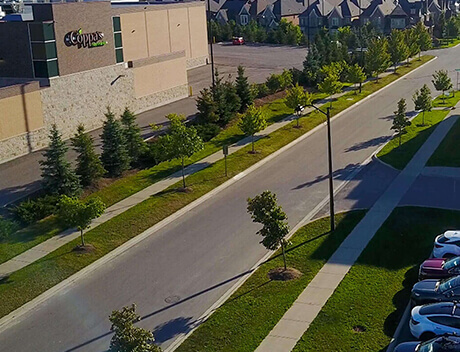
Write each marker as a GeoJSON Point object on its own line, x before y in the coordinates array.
{"type": "Point", "coordinates": [243, 89]}
{"type": "Point", "coordinates": [207, 107]}
{"type": "Point", "coordinates": [400, 121]}
{"type": "Point", "coordinates": [355, 75]}
{"type": "Point", "coordinates": [115, 158]}
{"type": "Point", "coordinates": [377, 58]}
{"type": "Point", "coordinates": [397, 47]}
{"type": "Point", "coordinates": [297, 97]}
{"type": "Point", "coordinates": [252, 122]}
{"type": "Point", "coordinates": [312, 65]}
{"type": "Point", "coordinates": [451, 28]}
{"type": "Point", "coordinates": [422, 101]}
{"type": "Point", "coordinates": [226, 99]}
{"type": "Point", "coordinates": [89, 167]}
{"type": "Point", "coordinates": [442, 82]}
{"type": "Point", "coordinates": [58, 177]}
{"type": "Point", "coordinates": [423, 37]}
{"type": "Point", "coordinates": [134, 142]}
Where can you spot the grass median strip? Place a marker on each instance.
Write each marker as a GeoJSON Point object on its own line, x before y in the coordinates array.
{"type": "Point", "coordinates": [448, 153]}
{"type": "Point", "coordinates": [399, 156]}
{"type": "Point", "coordinates": [365, 309]}
{"type": "Point", "coordinates": [27, 283]}
{"type": "Point", "coordinates": [247, 317]}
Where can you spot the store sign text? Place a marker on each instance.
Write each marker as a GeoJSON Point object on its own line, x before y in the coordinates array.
{"type": "Point", "coordinates": [84, 40]}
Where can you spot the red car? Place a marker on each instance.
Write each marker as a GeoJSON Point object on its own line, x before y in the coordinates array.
{"type": "Point", "coordinates": [439, 268]}
{"type": "Point", "coordinates": [238, 41]}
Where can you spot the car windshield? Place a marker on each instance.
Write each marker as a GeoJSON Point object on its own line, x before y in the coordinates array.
{"type": "Point", "coordinates": [437, 345]}
{"type": "Point", "coordinates": [452, 263]}
{"type": "Point", "coordinates": [449, 284]}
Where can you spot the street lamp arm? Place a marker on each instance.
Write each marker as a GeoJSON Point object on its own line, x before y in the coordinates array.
{"type": "Point", "coordinates": [321, 111]}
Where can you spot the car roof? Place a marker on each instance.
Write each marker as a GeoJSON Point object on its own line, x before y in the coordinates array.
{"type": "Point", "coordinates": [438, 308]}
{"type": "Point", "coordinates": [452, 234]}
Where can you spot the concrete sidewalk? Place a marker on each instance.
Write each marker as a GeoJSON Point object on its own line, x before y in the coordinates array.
{"type": "Point", "coordinates": [50, 245]}
{"type": "Point", "coordinates": [298, 318]}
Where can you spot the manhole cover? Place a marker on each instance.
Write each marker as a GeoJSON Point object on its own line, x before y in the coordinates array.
{"type": "Point", "coordinates": [359, 328]}
{"type": "Point", "coordinates": [172, 299]}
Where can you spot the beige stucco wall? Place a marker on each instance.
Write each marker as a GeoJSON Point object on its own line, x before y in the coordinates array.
{"type": "Point", "coordinates": [153, 31]}
{"type": "Point", "coordinates": [21, 113]}
{"type": "Point", "coordinates": [159, 76]}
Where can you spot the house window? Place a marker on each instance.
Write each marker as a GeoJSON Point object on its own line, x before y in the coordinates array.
{"type": "Point", "coordinates": [244, 19]}
{"type": "Point", "coordinates": [398, 23]}
{"type": "Point", "coordinates": [412, 11]}
{"type": "Point", "coordinates": [378, 21]}
{"type": "Point", "coordinates": [117, 39]}
{"type": "Point", "coordinates": [313, 21]}
{"type": "Point", "coordinates": [335, 22]}
{"type": "Point", "coordinates": [44, 54]}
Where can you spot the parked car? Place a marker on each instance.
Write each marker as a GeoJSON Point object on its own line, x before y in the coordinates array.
{"type": "Point", "coordinates": [447, 245]}
{"type": "Point", "coordinates": [439, 268]}
{"type": "Point", "coordinates": [446, 343]}
{"type": "Point", "coordinates": [435, 319]}
{"type": "Point", "coordinates": [238, 40]}
{"type": "Point", "coordinates": [431, 291]}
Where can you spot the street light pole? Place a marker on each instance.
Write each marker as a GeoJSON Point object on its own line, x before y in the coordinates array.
{"type": "Point", "coordinates": [329, 157]}
{"type": "Point", "coordinates": [210, 43]}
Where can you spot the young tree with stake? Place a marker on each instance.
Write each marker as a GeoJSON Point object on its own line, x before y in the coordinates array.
{"type": "Point", "coordinates": [377, 58]}
{"type": "Point", "coordinates": [181, 142]}
{"type": "Point", "coordinates": [252, 122]}
{"type": "Point", "coordinates": [422, 101]}
{"type": "Point", "coordinates": [397, 47]}
{"type": "Point", "coordinates": [330, 85]}
{"type": "Point", "coordinates": [442, 82]}
{"type": "Point", "coordinates": [265, 210]}
{"type": "Point", "coordinates": [295, 97]}
{"type": "Point", "coordinates": [400, 121]}
{"type": "Point", "coordinates": [356, 75]}
{"type": "Point", "coordinates": [75, 213]}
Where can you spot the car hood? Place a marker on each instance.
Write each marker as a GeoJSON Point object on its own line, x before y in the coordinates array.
{"type": "Point", "coordinates": [406, 347]}
{"type": "Point", "coordinates": [433, 264]}
{"type": "Point", "coordinates": [425, 286]}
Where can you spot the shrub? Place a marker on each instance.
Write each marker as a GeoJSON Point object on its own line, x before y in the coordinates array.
{"type": "Point", "coordinates": [207, 131]}
{"type": "Point", "coordinates": [33, 210]}
{"type": "Point", "coordinates": [7, 228]}
{"type": "Point", "coordinates": [273, 83]}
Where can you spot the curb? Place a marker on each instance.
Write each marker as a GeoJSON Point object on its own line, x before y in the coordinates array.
{"type": "Point", "coordinates": [15, 316]}
{"type": "Point", "coordinates": [392, 344]}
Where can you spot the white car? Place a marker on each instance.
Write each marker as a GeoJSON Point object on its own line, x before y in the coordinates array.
{"type": "Point", "coordinates": [435, 319]}
{"type": "Point", "coordinates": [447, 244]}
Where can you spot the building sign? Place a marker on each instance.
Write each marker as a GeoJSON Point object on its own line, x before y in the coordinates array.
{"type": "Point", "coordinates": [84, 40]}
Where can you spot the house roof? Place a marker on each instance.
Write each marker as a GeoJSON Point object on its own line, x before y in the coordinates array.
{"type": "Point", "coordinates": [288, 7]}
{"type": "Point", "coordinates": [215, 5]}
{"type": "Point", "coordinates": [385, 6]}
{"type": "Point", "coordinates": [234, 7]}
{"type": "Point", "coordinates": [398, 11]}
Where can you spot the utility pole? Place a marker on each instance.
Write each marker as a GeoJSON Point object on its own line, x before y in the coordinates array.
{"type": "Point", "coordinates": [210, 43]}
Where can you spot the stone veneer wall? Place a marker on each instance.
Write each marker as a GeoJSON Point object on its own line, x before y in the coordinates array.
{"type": "Point", "coordinates": [83, 98]}
{"type": "Point", "coordinates": [196, 62]}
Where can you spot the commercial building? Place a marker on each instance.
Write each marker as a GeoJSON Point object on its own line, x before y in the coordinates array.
{"type": "Point", "coordinates": [73, 60]}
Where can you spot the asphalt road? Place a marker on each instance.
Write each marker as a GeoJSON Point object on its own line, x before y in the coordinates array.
{"type": "Point", "coordinates": [21, 176]}
{"type": "Point", "coordinates": [181, 270]}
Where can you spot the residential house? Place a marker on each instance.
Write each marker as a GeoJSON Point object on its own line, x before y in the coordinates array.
{"type": "Point", "coordinates": [236, 10]}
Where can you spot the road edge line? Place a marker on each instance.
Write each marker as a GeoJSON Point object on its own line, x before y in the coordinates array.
{"type": "Point", "coordinates": [13, 317]}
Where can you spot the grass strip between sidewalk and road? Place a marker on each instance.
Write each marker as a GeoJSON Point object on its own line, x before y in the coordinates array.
{"type": "Point", "coordinates": [399, 156]}
{"type": "Point", "coordinates": [365, 309]}
{"type": "Point", "coordinates": [448, 152]}
{"type": "Point", "coordinates": [29, 282]}
{"type": "Point", "coordinates": [247, 317]}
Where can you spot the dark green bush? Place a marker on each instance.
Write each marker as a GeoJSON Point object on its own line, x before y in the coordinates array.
{"type": "Point", "coordinates": [7, 228]}
{"type": "Point", "coordinates": [33, 210]}
{"type": "Point", "coordinates": [207, 131]}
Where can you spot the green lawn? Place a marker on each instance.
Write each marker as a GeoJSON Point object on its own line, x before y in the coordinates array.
{"type": "Point", "coordinates": [448, 152]}
{"type": "Point", "coordinates": [375, 292]}
{"type": "Point", "coordinates": [399, 156]}
{"type": "Point", "coordinates": [244, 320]}
{"type": "Point", "coordinates": [447, 43]}
{"type": "Point", "coordinates": [36, 278]}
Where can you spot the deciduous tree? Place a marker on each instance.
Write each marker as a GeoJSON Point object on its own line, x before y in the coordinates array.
{"type": "Point", "coordinates": [400, 121]}
{"type": "Point", "coordinates": [377, 58]}
{"type": "Point", "coordinates": [128, 337]}
{"type": "Point", "coordinates": [297, 96]}
{"type": "Point", "coordinates": [89, 167]}
{"type": "Point", "coordinates": [356, 75]}
{"type": "Point", "coordinates": [442, 82]}
{"type": "Point", "coordinates": [75, 213]}
{"type": "Point", "coordinates": [330, 85]}
{"type": "Point", "coordinates": [397, 47]}
{"type": "Point", "coordinates": [264, 209]}
{"type": "Point", "coordinates": [252, 122]}
{"type": "Point", "coordinates": [58, 176]}
{"type": "Point", "coordinates": [422, 101]}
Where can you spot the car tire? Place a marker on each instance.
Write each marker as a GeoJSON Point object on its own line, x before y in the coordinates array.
{"type": "Point", "coordinates": [427, 335]}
